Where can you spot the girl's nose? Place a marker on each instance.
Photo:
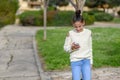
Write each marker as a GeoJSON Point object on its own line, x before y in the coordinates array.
{"type": "Point", "coordinates": [78, 28]}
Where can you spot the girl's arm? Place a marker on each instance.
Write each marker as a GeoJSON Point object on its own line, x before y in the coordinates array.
{"type": "Point", "coordinates": [90, 44]}
{"type": "Point", "coordinates": [67, 44]}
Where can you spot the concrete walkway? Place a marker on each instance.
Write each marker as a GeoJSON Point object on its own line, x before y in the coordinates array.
{"type": "Point", "coordinates": [97, 74]}
{"type": "Point", "coordinates": [18, 59]}
{"type": "Point", "coordinates": [105, 24]}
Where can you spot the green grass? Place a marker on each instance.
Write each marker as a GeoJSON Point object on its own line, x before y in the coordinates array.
{"type": "Point", "coordinates": [106, 48]}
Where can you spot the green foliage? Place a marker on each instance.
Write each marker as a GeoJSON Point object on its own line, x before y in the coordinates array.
{"type": "Point", "coordinates": [91, 3]}
{"type": "Point", "coordinates": [54, 18]}
{"type": "Point", "coordinates": [8, 10]}
{"type": "Point", "coordinates": [31, 18]}
{"type": "Point", "coordinates": [100, 15]}
{"type": "Point", "coordinates": [100, 3]}
{"type": "Point", "coordinates": [95, 3]}
{"type": "Point", "coordinates": [94, 11]}
{"type": "Point", "coordinates": [114, 3]}
{"type": "Point", "coordinates": [63, 18]}
{"type": "Point", "coordinates": [58, 2]}
{"type": "Point", "coordinates": [106, 48]}
{"type": "Point", "coordinates": [89, 19]}
{"type": "Point", "coordinates": [51, 8]}
{"type": "Point", "coordinates": [103, 17]}
{"type": "Point", "coordinates": [35, 18]}
{"type": "Point", "coordinates": [62, 2]}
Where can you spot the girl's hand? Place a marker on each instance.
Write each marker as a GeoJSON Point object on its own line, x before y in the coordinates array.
{"type": "Point", "coordinates": [75, 46]}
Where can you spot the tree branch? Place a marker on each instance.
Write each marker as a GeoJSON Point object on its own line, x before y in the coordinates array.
{"type": "Point", "coordinates": [81, 5]}
{"type": "Point", "coordinates": [73, 4]}
{"type": "Point", "coordinates": [76, 4]}
{"type": "Point", "coordinates": [47, 3]}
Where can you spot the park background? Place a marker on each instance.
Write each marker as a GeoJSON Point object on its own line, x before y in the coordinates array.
{"type": "Point", "coordinates": [106, 39]}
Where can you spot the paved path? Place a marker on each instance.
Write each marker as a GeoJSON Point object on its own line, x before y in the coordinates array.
{"type": "Point", "coordinates": [97, 74]}
{"type": "Point", "coordinates": [105, 24]}
{"type": "Point", "coordinates": [17, 56]}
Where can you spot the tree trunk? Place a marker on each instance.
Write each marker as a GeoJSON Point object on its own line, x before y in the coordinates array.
{"type": "Point", "coordinates": [46, 2]}
{"type": "Point", "coordinates": [45, 20]}
{"type": "Point", "coordinates": [78, 4]}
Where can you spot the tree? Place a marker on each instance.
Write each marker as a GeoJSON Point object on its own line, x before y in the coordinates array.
{"type": "Point", "coordinates": [96, 3]}
{"type": "Point", "coordinates": [78, 4]}
{"type": "Point", "coordinates": [45, 18]}
{"type": "Point", "coordinates": [114, 3]}
{"type": "Point", "coordinates": [91, 3]}
{"type": "Point", "coordinates": [62, 2]}
{"type": "Point", "coordinates": [46, 4]}
{"type": "Point", "coordinates": [100, 3]}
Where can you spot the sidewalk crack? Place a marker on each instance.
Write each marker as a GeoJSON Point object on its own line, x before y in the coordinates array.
{"type": "Point", "coordinates": [11, 59]}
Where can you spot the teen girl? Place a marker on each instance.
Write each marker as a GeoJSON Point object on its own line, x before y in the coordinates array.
{"type": "Point", "coordinates": [79, 44]}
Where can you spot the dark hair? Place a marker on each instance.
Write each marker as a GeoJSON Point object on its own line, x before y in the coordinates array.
{"type": "Point", "coordinates": [77, 16]}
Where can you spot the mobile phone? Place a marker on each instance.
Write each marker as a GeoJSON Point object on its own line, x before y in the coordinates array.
{"type": "Point", "coordinates": [77, 44]}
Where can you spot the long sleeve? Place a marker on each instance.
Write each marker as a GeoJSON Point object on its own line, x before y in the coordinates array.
{"type": "Point", "coordinates": [67, 44]}
{"type": "Point", "coordinates": [90, 46]}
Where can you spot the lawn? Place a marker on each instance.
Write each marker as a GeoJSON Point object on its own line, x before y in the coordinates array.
{"type": "Point", "coordinates": [106, 48]}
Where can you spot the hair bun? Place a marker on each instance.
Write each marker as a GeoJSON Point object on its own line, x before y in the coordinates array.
{"type": "Point", "coordinates": [78, 13]}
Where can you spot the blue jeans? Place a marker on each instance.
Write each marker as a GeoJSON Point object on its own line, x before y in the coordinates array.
{"type": "Point", "coordinates": [79, 68]}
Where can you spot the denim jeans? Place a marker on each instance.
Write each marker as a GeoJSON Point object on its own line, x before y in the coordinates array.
{"type": "Point", "coordinates": [81, 67]}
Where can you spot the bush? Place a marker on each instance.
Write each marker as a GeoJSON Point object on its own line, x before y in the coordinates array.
{"type": "Point", "coordinates": [8, 10]}
{"type": "Point", "coordinates": [62, 18]}
{"type": "Point", "coordinates": [36, 17]}
{"type": "Point", "coordinates": [62, 3]}
{"type": "Point", "coordinates": [33, 18]}
{"type": "Point", "coordinates": [65, 18]}
{"type": "Point", "coordinates": [89, 19]}
{"type": "Point", "coordinates": [94, 11]}
{"type": "Point", "coordinates": [52, 8]}
{"type": "Point", "coordinates": [100, 15]}
{"type": "Point", "coordinates": [103, 17]}
{"type": "Point", "coordinates": [54, 18]}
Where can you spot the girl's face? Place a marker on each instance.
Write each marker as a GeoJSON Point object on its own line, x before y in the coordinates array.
{"type": "Point", "coordinates": [78, 26]}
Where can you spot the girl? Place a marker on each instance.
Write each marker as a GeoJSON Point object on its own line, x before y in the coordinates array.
{"type": "Point", "coordinates": [79, 44]}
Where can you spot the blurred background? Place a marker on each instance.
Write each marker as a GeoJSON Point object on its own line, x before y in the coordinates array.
{"type": "Point", "coordinates": [59, 13]}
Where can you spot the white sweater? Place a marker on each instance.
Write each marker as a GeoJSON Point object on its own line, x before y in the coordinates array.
{"type": "Point", "coordinates": [84, 39]}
